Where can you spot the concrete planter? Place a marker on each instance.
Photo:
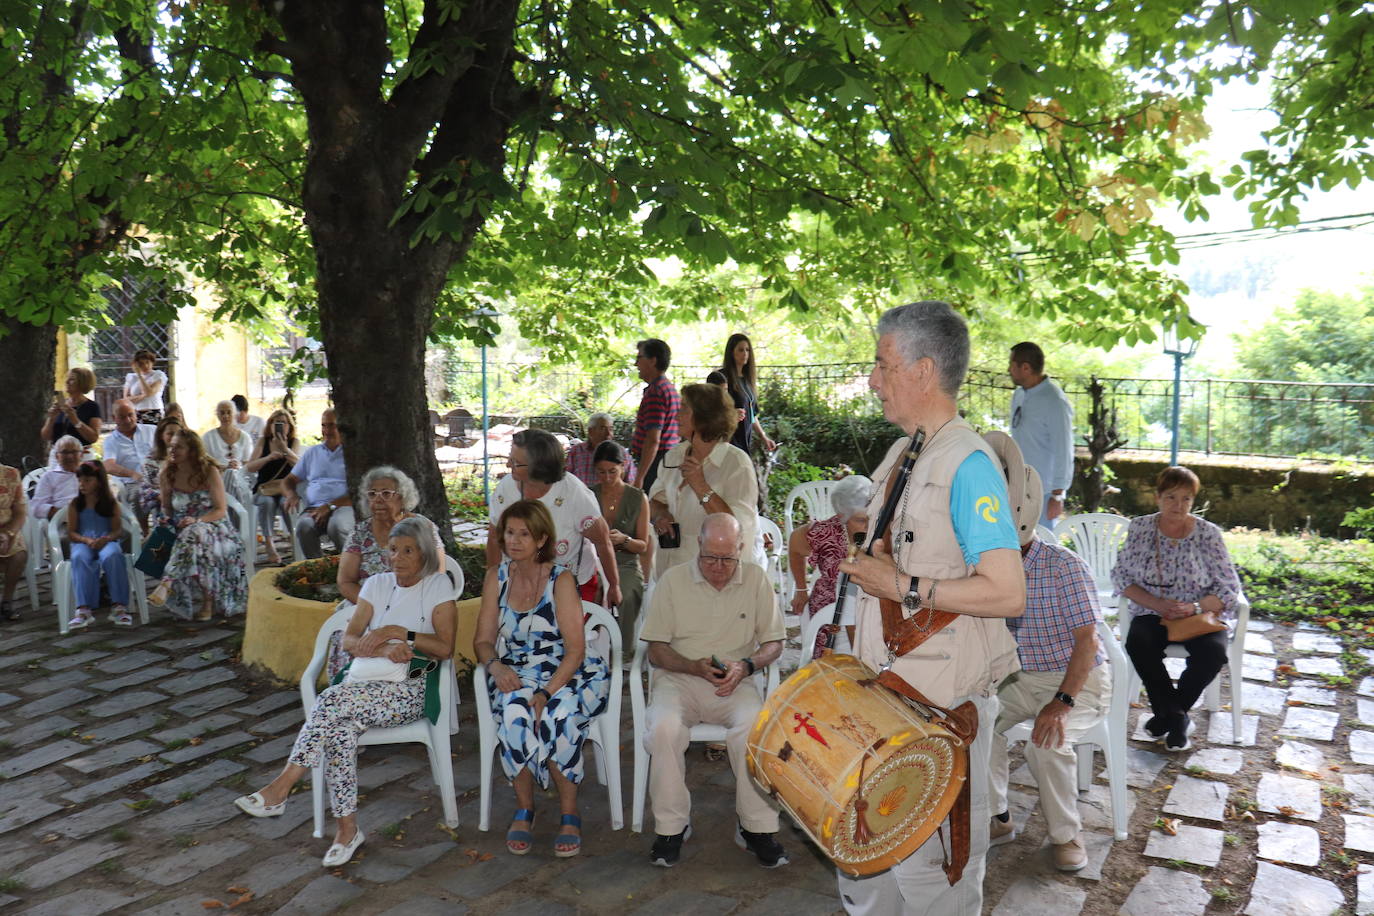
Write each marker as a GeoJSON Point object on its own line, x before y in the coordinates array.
{"type": "Point", "coordinates": [279, 637]}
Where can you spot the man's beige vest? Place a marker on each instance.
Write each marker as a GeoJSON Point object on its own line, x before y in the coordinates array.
{"type": "Point", "coordinates": [972, 654]}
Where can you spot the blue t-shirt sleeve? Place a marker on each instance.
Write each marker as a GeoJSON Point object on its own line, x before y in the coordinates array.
{"type": "Point", "coordinates": [978, 506]}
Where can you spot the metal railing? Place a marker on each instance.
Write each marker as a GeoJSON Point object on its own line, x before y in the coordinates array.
{"type": "Point", "coordinates": [1218, 416]}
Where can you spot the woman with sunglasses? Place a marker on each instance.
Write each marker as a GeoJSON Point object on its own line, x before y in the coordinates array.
{"type": "Point", "coordinates": [407, 610]}
{"type": "Point", "coordinates": [701, 475]}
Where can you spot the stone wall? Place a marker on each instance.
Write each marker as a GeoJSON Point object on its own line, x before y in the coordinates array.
{"type": "Point", "coordinates": [1252, 492]}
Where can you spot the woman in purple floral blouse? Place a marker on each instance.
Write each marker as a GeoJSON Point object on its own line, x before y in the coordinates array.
{"type": "Point", "coordinates": [1173, 565]}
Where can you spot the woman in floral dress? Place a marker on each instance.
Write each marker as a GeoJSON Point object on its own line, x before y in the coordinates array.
{"type": "Point", "coordinates": [1174, 565]}
{"type": "Point", "coordinates": [205, 573]}
{"type": "Point", "coordinates": [150, 487]}
{"type": "Point", "coordinates": [546, 684]}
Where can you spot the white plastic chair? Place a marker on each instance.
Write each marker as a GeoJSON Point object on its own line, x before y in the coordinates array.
{"type": "Point", "coordinates": [1235, 660]}
{"type": "Point", "coordinates": [35, 538]}
{"type": "Point", "coordinates": [62, 592]}
{"type": "Point", "coordinates": [1046, 534]}
{"type": "Point", "coordinates": [435, 737]}
{"type": "Point", "coordinates": [1108, 732]}
{"type": "Point", "coordinates": [245, 523]}
{"type": "Point", "coordinates": [638, 711]}
{"type": "Point", "coordinates": [1097, 538]}
{"type": "Point", "coordinates": [777, 559]}
{"type": "Point", "coordinates": [603, 733]}
{"type": "Point", "coordinates": [815, 498]}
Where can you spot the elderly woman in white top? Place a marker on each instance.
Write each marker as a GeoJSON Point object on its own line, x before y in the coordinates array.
{"type": "Point", "coordinates": [400, 613]}
{"type": "Point", "coordinates": [231, 448]}
{"type": "Point", "coordinates": [58, 487]}
{"type": "Point", "coordinates": [701, 475]}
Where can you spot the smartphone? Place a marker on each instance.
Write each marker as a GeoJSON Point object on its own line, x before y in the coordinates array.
{"type": "Point", "coordinates": [672, 539]}
{"type": "Point", "coordinates": [717, 664]}
{"type": "Point", "coordinates": [279, 429]}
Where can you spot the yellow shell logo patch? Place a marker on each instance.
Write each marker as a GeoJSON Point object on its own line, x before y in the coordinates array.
{"type": "Point", "coordinates": [988, 507]}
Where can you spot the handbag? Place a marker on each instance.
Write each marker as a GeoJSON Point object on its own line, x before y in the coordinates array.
{"type": "Point", "coordinates": [1199, 624]}
{"type": "Point", "coordinates": [274, 487]}
{"type": "Point", "coordinates": [157, 550]}
{"type": "Point", "coordinates": [419, 666]}
{"type": "Point", "coordinates": [377, 668]}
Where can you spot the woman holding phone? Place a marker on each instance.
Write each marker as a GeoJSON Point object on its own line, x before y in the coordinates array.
{"type": "Point", "coordinates": [276, 454]}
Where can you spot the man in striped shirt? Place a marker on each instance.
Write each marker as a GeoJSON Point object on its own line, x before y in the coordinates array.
{"type": "Point", "coordinates": [656, 422]}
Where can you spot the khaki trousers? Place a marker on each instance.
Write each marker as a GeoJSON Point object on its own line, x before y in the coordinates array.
{"type": "Point", "coordinates": [680, 701]}
{"type": "Point", "coordinates": [1023, 695]}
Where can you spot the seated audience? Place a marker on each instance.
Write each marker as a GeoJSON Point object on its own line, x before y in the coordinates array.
{"type": "Point", "coordinates": [125, 450]}
{"type": "Point", "coordinates": [173, 410]}
{"type": "Point", "coordinates": [94, 528]}
{"type": "Point", "coordinates": [581, 455]}
{"type": "Point", "coordinates": [14, 554]}
{"type": "Point", "coordinates": [625, 510]}
{"type": "Point", "coordinates": [404, 615]}
{"type": "Point", "coordinates": [536, 472]}
{"type": "Point", "coordinates": [58, 487]}
{"type": "Point", "coordinates": [1174, 565]}
{"type": "Point", "coordinates": [205, 572]}
{"type": "Point", "coordinates": [254, 426]}
{"type": "Point", "coordinates": [276, 454]}
{"type": "Point", "coordinates": [823, 543]}
{"type": "Point", "coordinates": [1064, 684]}
{"type": "Point", "coordinates": [145, 386]}
{"type": "Point", "coordinates": [327, 506]}
{"type": "Point", "coordinates": [701, 475]}
{"type": "Point", "coordinates": [710, 625]}
{"type": "Point", "coordinates": [75, 414]}
{"type": "Point", "coordinates": [546, 684]}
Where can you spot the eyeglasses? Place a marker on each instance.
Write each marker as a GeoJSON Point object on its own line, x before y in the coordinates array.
{"type": "Point", "coordinates": [1016, 417]}
{"type": "Point", "coordinates": [382, 494]}
{"type": "Point", "coordinates": [516, 464]}
{"type": "Point", "coordinates": [69, 451]}
{"type": "Point", "coordinates": [724, 562]}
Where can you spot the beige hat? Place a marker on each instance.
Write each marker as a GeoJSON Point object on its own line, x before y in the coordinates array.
{"type": "Point", "coordinates": [1024, 488]}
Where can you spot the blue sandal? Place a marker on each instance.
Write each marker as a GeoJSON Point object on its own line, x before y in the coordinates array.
{"type": "Point", "coordinates": [521, 836]}
{"type": "Point", "coordinates": [570, 820]}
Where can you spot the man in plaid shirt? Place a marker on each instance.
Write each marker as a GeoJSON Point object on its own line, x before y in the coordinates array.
{"type": "Point", "coordinates": [656, 422]}
{"type": "Point", "coordinates": [1063, 685]}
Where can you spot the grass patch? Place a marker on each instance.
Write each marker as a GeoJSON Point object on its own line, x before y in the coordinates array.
{"type": "Point", "coordinates": [185, 841]}
{"type": "Point", "coordinates": [1195, 770]}
{"type": "Point", "coordinates": [186, 796]}
{"type": "Point", "coordinates": [10, 885]}
{"type": "Point", "coordinates": [120, 835]}
{"type": "Point", "coordinates": [1322, 580]}
{"type": "Point", "coordinates": [143, 804]}
{"type": "Point", "coordinates": [1221, 893]}
{"type": "Point", "coordinates": [1231, 839]}
{"type": "Point", "coordinates": [177, 743]}
{"type": "Point", "coordinates": [392, 831]}
{"type": "Point", "coordinates": [109, 866]}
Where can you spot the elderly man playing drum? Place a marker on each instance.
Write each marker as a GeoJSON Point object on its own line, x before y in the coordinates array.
{"type": "Point", "coordinates": [1063, 684]}
{"type": "Point", "coordinates": [712, 623]}
{"type": "Point", "coordinates": [950, 547]}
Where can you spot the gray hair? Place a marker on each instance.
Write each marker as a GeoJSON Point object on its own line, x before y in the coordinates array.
{"type": "Point", "coordinates": [421, 531]}
{"type": "Point", "coordinates": [931, 328]}
{"type": "Point", "coordinates": [719, 520]}
{"type": "Point", "coordinates": [410, 495]}
{"type": "Point", "coordinates": [851, 495]}
{"type": "Point", "coordinates": [68, 439]}
{"type": "Point", "coordinates": [601, 415]}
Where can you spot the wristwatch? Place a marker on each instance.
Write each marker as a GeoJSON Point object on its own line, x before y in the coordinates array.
{"type": "Point", "coordinates": [912, 600]}
{"type": "Point", "coordinates": [1063, 697]}
{"type": "Point", "coordinates": [706, 498]}
{"type": "Point", "coordinates": [410, 638]}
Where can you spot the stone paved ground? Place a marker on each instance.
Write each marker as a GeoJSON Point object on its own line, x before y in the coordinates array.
{"type": "Point", "coordinates": [121, 751]}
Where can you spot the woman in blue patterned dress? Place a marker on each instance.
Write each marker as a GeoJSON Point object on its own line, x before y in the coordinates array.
{"type": "Point", "coordinates": [546, 683]}
{"type": "Point", "coordinates": [1173, 565]}
{"type": "Point", "coordinates": [205, 572]}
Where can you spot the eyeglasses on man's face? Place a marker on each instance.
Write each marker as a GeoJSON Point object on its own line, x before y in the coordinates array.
{"type": "Point", "coordinates": [708, 559]}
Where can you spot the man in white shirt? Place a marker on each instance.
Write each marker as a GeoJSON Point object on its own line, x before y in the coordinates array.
{"type": "Point", "coordinates": [126, 447]}
{"type": "Point", "coordinates": [328, 507]}
{"type": "Point", "coordinates": [252, 425]}
{"type": "Point", "coordinates": [1042, 424]}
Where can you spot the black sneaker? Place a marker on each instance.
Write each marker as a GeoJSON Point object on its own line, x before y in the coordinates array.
{"type": "Point", "coordinates": [764, 845]}
{"type": "Point", "coordinates": [1177, 739]}
{"type": "Point", "coordinates": [668, 849]}
{"type": "Point", "coordinates": [1157, 727]}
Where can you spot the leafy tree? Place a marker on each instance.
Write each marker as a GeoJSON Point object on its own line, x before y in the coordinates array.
{"type": "Point", "coordinates": [1321, 337]}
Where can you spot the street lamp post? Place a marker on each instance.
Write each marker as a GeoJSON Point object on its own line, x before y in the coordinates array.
{"type": "Point", "coordinates": [1180, 348]}
{"type": "Point", "coordinates": [485, 311]}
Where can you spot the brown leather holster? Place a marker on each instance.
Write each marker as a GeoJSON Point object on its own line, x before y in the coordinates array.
{"type": "Point", "coordinates": [901, 634]}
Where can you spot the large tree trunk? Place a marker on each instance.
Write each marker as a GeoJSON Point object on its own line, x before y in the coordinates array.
{"type": "Point", "coordinates": [378, 273]}
{"type": "Point", "coordinates": [27, 356]}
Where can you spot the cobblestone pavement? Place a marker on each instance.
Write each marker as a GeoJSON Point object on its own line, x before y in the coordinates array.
{"type": "Point", "coordinates": [121, 752]}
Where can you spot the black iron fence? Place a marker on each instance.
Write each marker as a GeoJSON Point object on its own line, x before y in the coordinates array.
{"type": "Point", "coordinates": [1217, 416]}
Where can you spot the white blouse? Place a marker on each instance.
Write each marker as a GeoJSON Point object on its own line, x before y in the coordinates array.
{"type": "Point", "coordinates": [222, 451]}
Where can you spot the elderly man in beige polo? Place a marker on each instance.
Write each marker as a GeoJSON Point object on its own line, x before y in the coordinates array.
{"type": "Point", "coordinates": [712, 623]}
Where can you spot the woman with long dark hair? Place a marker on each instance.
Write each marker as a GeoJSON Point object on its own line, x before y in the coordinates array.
{"type": "Point", "coordinates": [741, 381]}
{"type": "Point", "coordinates": [94, 528]}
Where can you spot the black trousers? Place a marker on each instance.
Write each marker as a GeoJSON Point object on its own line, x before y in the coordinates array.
{"type": "Point", "coordinates": [1145, 643]}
